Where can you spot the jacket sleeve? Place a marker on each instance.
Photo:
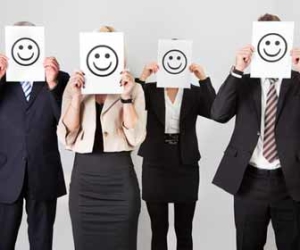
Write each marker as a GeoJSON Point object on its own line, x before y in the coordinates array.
{"type": "Point", "coordinates": [56, 94]}
{"type": "Point", "coordinates": [66, 137]}
{"type": "Point", "coordinates": [225, 104]}
{"type": "Point", "coordinates": [145, 87]}
{"type": "Point", "coordinates": [207, 95]}
{"type": "Point", "coordinates": [136, 135]}
{"type": "Point", "coordinates": [2, 83]}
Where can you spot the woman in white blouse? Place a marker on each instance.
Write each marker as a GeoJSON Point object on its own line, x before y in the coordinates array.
{"type": "Point", "coordinates": [171, 155]}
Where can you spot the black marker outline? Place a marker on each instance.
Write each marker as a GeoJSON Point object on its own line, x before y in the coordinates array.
{"type": "Point", "coordinates": [259, 44]}
{"type": "Point", "coordinates": [102, 46]}
{"type": "Point", "coordinates": [24, 64]}
{"type": "Point", "coordinates": [163, 60]}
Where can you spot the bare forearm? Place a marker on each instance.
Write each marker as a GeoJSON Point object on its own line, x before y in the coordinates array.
{"type": "Point", "coordinates": [130, 116]}
{"type": "Point", "coordinates": [72, 116]}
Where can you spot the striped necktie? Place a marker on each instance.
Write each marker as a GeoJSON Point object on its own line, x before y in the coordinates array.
{"type": "Point", "coordinates": [269, 146]}
{"type": "Point", "coordinates": [27, 87]}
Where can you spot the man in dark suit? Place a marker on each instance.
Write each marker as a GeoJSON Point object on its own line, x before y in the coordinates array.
{"type": "Point", "coordinates": [261, 165]}
{"type": "Point", "coordinates": [30, 165]}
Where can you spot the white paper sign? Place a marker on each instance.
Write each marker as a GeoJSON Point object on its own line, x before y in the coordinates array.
{"type": "Point", "coordinates": [174, 59]}
{"type": "Point", "coordinates": [273, 42]}
{"type": "Point", "coordinates": [25, 48]}
{"type": "Point", "coordinates": [102, 60]}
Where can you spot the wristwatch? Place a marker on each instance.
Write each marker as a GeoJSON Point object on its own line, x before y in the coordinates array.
{"type": "Point", "coordinates": [125, 101]}
{"type": "Point", "coordinates": [236, 73]}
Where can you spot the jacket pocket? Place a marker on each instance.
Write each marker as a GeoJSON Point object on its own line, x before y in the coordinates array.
{"type": "Point", "coordinates": [230, 151]}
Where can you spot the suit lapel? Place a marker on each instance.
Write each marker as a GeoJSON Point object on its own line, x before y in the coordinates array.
{"type": "Point", "coordinates": [255, 85]}
{"type": "Point", "coordinates": [17, 88]}
{"type": "Point", "coordinates": [36, 88]}
{"type": "Point", "coordinates": [158, 104]}
{"type": "Point", "coordinates": [285, 86]}
{"type": "Point", "coordinates": [187, 103]}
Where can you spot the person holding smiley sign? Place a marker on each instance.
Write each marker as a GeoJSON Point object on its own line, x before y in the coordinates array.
{"type": "Point", "coordinates": [103, 130]}
{"type": "Point", "coordinates": [30, 165]}
{"type": "Point", "coordinates": [261, 165]}
{"type": "Point", "coordinates": [170, 152]}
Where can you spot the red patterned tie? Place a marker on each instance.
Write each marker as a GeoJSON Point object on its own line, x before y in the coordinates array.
{"type": "Point", "coordinates": [270, 148]}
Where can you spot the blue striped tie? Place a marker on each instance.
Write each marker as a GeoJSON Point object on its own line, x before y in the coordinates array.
{"type": "Point", "coordinates": [27, 87]}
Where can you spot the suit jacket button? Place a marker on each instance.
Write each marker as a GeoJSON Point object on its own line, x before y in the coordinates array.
{"type": "Point", "coordinates": [258, 133]}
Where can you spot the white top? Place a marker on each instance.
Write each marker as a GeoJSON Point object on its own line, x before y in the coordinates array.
{"type": "Point", "coordinates": [257, 159]}
{"type": "Point", "coordinates": [172, 122]}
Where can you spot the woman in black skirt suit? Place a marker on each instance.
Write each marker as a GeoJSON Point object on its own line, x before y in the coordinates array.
{"type": "Point", "coordinates": [170, 151]}
{"type": "Point", "coordinates": [104, 194]}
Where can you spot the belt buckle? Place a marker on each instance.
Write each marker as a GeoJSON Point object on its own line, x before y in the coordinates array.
{"type": "Point", "coordinates": [171, 139]}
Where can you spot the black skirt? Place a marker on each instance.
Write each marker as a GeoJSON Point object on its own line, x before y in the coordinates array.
{"type": "Point", "coordinates": [104, 202]}
{"type": "Point", "coordinates": [170, 180]}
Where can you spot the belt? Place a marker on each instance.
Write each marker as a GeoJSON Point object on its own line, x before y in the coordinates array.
{"type": "Point", "coordinates": [172, 139]}
{"type": "Point", "coordinates": [265, 172]}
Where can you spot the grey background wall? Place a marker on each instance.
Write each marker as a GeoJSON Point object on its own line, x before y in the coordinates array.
{"type": "Point", "coordinates": [218, 29]}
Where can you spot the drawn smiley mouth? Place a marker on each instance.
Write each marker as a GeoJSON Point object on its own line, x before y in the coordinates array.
{"type": "Point", "coordinates": [272, 55]}
{"type": "Point", "coordinates": [174, 68]}
{"type": "Point", "coordinates": [25, 59]}
{"type": "Point", "coordinates": [102, 69]}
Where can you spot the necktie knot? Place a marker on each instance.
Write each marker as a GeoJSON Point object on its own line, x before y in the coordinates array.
{"type": "Point", "coordinates": [27, 87]}
{"type": "Point", "coordinates": [273, 80]}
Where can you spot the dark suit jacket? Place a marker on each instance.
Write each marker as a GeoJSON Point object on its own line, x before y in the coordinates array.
{"type": "Point", "coordinates": [196, 101]}
{"type": "Point", "coordinates": [242, 98]}
{"type": "Point", "coordinates": [28, 140]}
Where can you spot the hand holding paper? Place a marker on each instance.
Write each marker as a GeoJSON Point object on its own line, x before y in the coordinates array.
{"type": "Point", "coordinates": [3, 65]}
{"type": "Point", "coordinates": [77, 82]}
{"type": "Point", "coordinates": [52, 69]}
{"type": "Point", "coordinates": [127, 82]}
{"type": "Point", "coordinates": [296, 58]}
{"type": "Point", "coordinates": [198, 71]}
{"type": "Point", "coordinates": [148, 70]}
{"type": "Point", "coordinates": [244, 57]}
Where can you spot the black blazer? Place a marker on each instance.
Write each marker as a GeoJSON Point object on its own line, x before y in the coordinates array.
{"type": "Point", "coordinates": [196, 101]}
{"type": "Point", "coordinates": [242, 98]}
{"type": "Point", "coordinates": [28, 140]}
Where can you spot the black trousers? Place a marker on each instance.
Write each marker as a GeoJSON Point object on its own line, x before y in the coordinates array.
{"type": "Point", "coordinates": [159, 214]}
{"type": "Point", "coordinates": [263, 197]}
{"type": "Point", "coordinates": [40, 219]}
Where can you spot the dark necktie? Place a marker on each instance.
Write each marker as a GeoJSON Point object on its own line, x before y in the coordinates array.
{"type": "Point", "coordinates": [269, 147]}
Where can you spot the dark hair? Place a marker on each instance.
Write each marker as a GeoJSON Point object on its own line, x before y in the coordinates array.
{"type": "Point", "coordinates": [269, 17]}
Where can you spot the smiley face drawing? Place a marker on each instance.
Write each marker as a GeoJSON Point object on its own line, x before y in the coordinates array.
{"type": "Point", "coordinates": [272, 47]}
{"type": "Point", "coordinates": [174, 62]}
{"type": "Point", "coordinates": [25, 51]}
{"type": "Point", "coordinates": [102, 60]}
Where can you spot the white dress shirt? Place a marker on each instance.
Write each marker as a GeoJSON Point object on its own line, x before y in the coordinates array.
{"type": "Point", "coordinates": [172, 119]}
{"type": "Point", "coordinates": [258, 160]}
